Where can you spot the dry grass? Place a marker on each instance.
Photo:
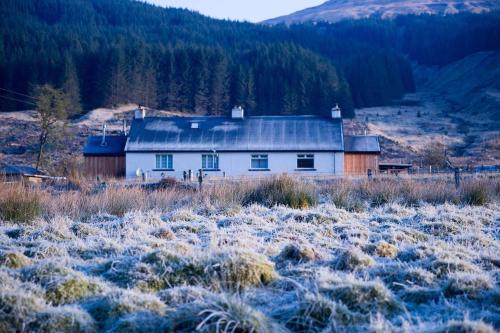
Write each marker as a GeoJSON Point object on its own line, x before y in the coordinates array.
{"type": "Point", "coordinates": [353, 194]}
{"type": "Point", "coordinates": [24, 204]}
{"type": "Point", "coordinates": [19, 203]}
{"type": "Point", "coordinates": [183, 260]}
{"type": "Point", "coordinates": [282, 190]}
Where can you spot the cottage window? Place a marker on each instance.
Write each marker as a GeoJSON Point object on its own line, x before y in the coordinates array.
{"type": "Point", "coordinates": [209, 162]}
{"type": "Point", "coordinates": [305, 161]}
{"type": "Point", "coordinates": [260, 162]}
{"type": "Point", "coordinates": [164, 162]}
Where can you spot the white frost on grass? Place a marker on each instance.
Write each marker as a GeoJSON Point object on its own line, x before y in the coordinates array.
{"type": "Point", "coordinates": [391, 268]}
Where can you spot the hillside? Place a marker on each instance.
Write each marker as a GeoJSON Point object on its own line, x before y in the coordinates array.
{"type": "Point", "coordinates": [109, 52]}
{"type": "Point", "coordinates": [457, 105]}
{"type": "Point", "coordinates": [338, 10]}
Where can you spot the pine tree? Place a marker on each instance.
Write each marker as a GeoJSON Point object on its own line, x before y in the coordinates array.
{"type": "Point", "coordinates": [117, 86]}
{"type": "Point", "coordinates": [71, 87]}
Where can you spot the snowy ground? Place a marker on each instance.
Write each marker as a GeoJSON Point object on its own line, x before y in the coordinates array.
{"type": "Point", "coordinates": [255, 269]}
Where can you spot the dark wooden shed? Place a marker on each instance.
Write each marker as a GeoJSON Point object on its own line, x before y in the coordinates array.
{"type": "Point", "coordinates": [10, 173]}
{"type": "Point", "coordinates": [361, 153]}
{"type": "Point", "coordinates": [105, 157]}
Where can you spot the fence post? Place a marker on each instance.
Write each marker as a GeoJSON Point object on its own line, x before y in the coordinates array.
{"type": "Point", "coordinates": [200, 178]}
{"type": "Point", "coordinates": [457, 177]}
{"type": "Point", "coordinates": [370, 174]}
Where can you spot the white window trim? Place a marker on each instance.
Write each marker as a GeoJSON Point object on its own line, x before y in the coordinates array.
{"type": "Point", "coordinates": [259, 157]}
{"type": "Point", "coordinates": [215, 162]}
{"type": "Point", "coordinates": [306, 157]}
{"type": "Point", "coordinates": [168, 158]}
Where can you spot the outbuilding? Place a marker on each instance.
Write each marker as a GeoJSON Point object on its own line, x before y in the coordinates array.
{"type": "Point", "coordinates": [105, 156]}
{"type": "Point", "coordinates": [11, 172]}
{"type": "Point", "coordinates": [361, 153]}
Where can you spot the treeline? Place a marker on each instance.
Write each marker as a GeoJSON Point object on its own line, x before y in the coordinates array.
{"type": "Point", "coordinates": [369, 52]}
{"type": "Point", "coordinates": [107, 52]}
{"type": "Point", "coordinates": [427, 39]}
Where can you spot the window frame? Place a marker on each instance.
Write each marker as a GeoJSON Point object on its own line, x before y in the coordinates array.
{"type": "Point", "coordinates": [169, 162]}
{"type": "Point", "coordinates": [205, 164]}
{"type": "Point", "coordinates": [262, 161]}
{"type": "Point", "coordinates": [305, 157]}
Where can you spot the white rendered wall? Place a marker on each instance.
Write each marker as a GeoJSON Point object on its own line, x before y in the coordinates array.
{"type": "Point", "coordinates": [235, 164]}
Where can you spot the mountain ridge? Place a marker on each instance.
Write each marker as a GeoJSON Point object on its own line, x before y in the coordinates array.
{"type": "Point", "coordinates": [338, 10]}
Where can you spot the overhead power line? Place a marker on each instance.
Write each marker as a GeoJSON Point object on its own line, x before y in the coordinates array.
{"type": "Point", "coordinates": [17, 100]}
{"type": "Point", "coordinates": [17, 93]}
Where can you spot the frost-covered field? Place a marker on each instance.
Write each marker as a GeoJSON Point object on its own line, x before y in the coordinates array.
{"type": "Point", "coordinates": [255, 269]}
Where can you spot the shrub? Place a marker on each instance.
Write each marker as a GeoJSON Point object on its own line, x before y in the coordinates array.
{"type": "Point", "coordinates": [384, 249]}
{"type": "Point", "coordinates": [363, 296]}
{"type": "Point", "coordinates": [241, 270]}
{"type": "Point", "coordinates": [106, 309]}
{"type": "Point", "coordinates": [465, 326]}
{"type": "Point", "coordinates": [173, 270]}
{"type": "Point", "coordinates": [353, 258]}
{"type": "Point", "coordinates": [282, 190]}
{"type": "Point", "coordinates": [19, 204]}
{"type": "Point", "coordinates": [17, 308]}
{"type": "Point", "coordinates": [475, 193]}
{"type": "Point", "coordinates": [62, 320]}
{"type": "Point", "coordinates": [297, 254]}
{"type": "Point", "coordinates": [220, 314]}
{"type": "Point", "coordinates": [467, 283]}
{"type": "Point", "coordinates": [14, 260]}
{"type": "Point", "coordinates": [314, 313]}
{"type": "Point", "coordinates": [71, 290]}
{"type": "Point", "coordinates": [140, 322]}
{"type": "Point", "coordinates": [344, 194]}
{"type": "Point", "coordinates": [380, 192]}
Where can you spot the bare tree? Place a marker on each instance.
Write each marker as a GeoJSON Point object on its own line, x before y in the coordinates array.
{"type": "Point", "coordinates": [52, 114]}
{"type": "Point", "coordinates": [435, 155]}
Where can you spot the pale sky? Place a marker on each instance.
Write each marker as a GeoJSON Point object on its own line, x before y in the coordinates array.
{"type": "Point", "coordinates": [243, 10]}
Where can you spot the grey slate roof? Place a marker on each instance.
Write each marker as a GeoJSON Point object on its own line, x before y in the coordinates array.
{"type": "Point", "coordinates": [115, 146]}
{"type": "Point", "coordinates": [263, 133]}
{"type": "Point", "coordinates": [361, 144]}
{"type": "Point", "coordinates": [13, 170]}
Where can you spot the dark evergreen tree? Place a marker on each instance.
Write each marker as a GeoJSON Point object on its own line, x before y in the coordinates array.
{"type": "Point", "coordinates": [107, 52]}
{"type": "Point", "coordinates": [71, 87]}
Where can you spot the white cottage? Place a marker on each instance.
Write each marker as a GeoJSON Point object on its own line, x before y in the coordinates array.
{"type": "Point", "coordinates": [235, 146]}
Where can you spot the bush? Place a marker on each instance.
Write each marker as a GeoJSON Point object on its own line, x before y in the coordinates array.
{"type": "Point", "coordinates": [465, 326]}
{"type": "Point", "coordinates": [14, 260]}
{"type": "Point", "coordinates": [363, 296]}
{"type": "Point", "coordinates": [107, 308]}
{"type": "Point", "coordinates": [71, 290]}
{"type": "Point", "coordinates": [352, 259]}
{"type": "Point", "coordinates": [314, 313]}
{"type": "Point", "coordinates": [220, 314]}
{"type": "Point", "coordinates": [17, 308]}
{"type": "Point", "coordinates": [282, 190]}
{"type": "Point", "coordinates": [241, 270]}
{"type": "Point", "coordinates": [167, 183]}
{"type": "Point", "coordinates": [62, 320]}
{"type": "Point", "coordinates": [297, 254]}
{"type": "Point", "coordinates": [475, 193]}
{"type": "Point", "coordinates": [19, 204]}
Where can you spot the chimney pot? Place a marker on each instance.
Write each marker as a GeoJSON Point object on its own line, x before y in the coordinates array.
{"type": "Point", "coordinates": [140, 113]}
{"type": "Point", "coordinates": [336, 112]}
{"type": "Point", "coordinates": [238, 112]}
